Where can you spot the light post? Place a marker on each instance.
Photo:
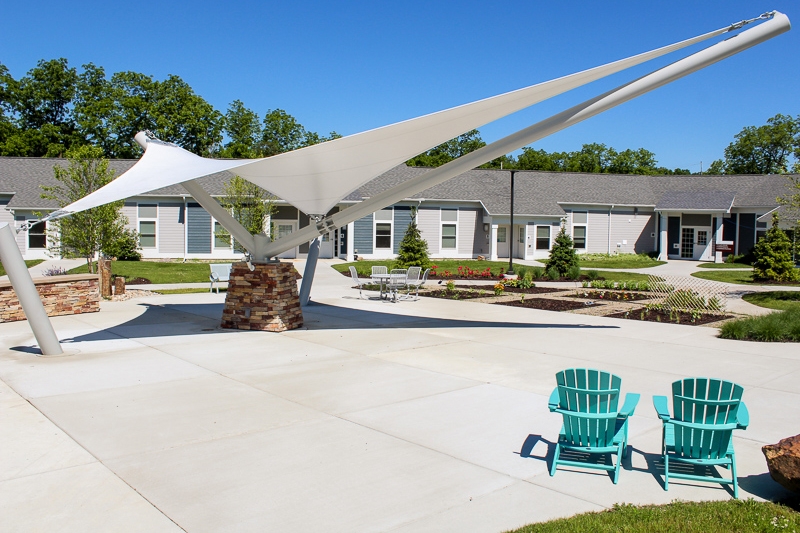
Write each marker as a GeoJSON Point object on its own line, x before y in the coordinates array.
{"type": "Point", "coordinates": [511, 230]}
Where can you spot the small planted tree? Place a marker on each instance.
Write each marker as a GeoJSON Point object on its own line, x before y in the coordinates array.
{"type": "Point", "coordinates": [773, 256]}
{"type": "Point", "coordinates": [86, 233]}
{"type": "Point", "coordinates": [413, 248]}
{"type": "Point", "coordinates": [249, 204]}
{"type": "Point", "coordinates": [563, 258]}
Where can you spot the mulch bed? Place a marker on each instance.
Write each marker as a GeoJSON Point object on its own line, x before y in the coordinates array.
{"type": "Point", "coordinates": [138, 281]}
{"type": "Point", "coordinates": [530, 290]}
{"type": "Point", "coordinates": [614, 296]}
{"type": "Point", "coordinates": [677, 317]}
{"type": "Point", "coordinates": [459, 294]}
{"type": "Point", "coordinates": [546, 304]}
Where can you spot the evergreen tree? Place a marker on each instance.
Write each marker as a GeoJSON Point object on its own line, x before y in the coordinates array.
{"type": "Point", "coordinates": [413, 248]}
{"type": "Point", "coordinates": [774, 256]}
{"type": "Point", "coordinates": [563, 256]}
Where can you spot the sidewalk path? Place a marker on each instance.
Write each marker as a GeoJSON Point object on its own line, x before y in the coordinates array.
{"type": "Point", "coordinates": [426, 415]}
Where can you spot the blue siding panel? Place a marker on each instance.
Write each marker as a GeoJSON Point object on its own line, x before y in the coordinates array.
{"type": "Point", "coordinates": [362, 240]}
{"type": "Point", "coordinates": [402, 218]}
{"type": "Point", "coordinates": [199, 230]}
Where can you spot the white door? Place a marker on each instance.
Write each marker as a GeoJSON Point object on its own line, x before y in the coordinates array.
{"type": "Point", "coordinates": [702, 244]}
{"type": "Point", "coordinates": [284, 228]}
{"type": "Point", "coordinates": [326, 246]}
{"type": "Point", "coordinates": [502, 241]}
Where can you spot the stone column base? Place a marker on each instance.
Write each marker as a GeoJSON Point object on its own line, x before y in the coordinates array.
{"type": "Point", "coordinates": [264, 299]}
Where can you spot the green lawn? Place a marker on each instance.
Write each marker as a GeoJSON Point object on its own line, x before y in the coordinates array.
{"type": "Point", "coordinates": [780, 300]}
{"type": "Point", "coordinates": [724, 266]}
{"type": "Point", "coordinates": [742, 277]}
{"type": "Point", "coordinates": [746, 516]}
{"type": "Point", "coordinates": [28, 263]}
{"type": "Point", "coordinates": [190, 290]}
{"type": "Point", "coordinates": [364, 268]}
{"type": "Point", "coordinates": [618, 276]}
{"type": "Point", "coordinates": [595, 261]}
{"type": "Point", "coordinates": [783, 326]}
{"type": "Point", "coordinates": [172, 272]}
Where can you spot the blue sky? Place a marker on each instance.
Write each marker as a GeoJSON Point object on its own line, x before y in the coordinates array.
{"type": "Point", "coordinates": [352, 66]}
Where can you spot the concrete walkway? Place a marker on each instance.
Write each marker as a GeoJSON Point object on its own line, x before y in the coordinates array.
{"type": "Point", "coordinates": [426, 415]}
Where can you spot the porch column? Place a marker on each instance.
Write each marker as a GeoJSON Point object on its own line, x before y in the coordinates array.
{"type": "Point", "coordinates": [493, 239]}
{"type": "Point", "coordinates": [351, 237]}
{"type": "Point", "coordinates": [718, 238]}
{"type": "Point", "coordinates": [662, 237]}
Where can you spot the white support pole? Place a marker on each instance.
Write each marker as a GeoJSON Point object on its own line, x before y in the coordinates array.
{"type": "Point", "coordinates": [221, 215]}
{"type": "Point", "coordinates": [708, 56]}
{"type": "Point", "coordinates": [26, 292]}
{"type": "Point", "coordinates": [663, 252]}
{"type": "Point", "coordinates": [308, 272]}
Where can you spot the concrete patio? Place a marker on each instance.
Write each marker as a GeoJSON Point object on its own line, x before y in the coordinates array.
{"type": "Point", "coordinates": [416, 416]}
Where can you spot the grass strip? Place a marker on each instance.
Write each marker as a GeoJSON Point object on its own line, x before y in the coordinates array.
{"type": "Point", "coordinates": [595, 261]}
{"type": "Point", "coordinates": [743, 516]}
{"type": "Point", "coordinates": [28, 263]}
{"type": "Point", "coordinates": [774, 299]}
{"type": "Point", "coordinates": [725, 266]}
{"type": "Point", "coordinates": [157, 272]}
{"type": "Point", "coordinates": [740, 277]}
{"type": "Point", "coordinates": [782, 326]}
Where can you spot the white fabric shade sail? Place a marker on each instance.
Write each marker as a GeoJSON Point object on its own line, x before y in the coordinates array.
{"type": "Point", "coordinates": [316, 178]}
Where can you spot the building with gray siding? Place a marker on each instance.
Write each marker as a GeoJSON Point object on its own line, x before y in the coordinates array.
{"type": "Point", "coordinates": [688, 217]}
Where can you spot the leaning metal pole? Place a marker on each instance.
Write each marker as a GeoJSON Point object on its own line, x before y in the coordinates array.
{"type": "Point", "coordinates": [308, 273]}
{"type": "Point", "coordinates": [708, 56]}
{"type": "Point", "coordinates": [26, 292]}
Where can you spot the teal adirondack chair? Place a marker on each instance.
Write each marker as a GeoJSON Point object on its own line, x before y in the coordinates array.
{"type": "Point", "coordinates": [701, 431]}
{"type": "Point", "coordinates": [587, 400]}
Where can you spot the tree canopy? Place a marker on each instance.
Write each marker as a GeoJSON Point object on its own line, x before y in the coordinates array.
{"type": "Point", "coordinates": [767, 149]}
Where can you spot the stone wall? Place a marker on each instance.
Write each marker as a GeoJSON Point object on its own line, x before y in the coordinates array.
{"type": "Point", "coordinates": [265, 299]}
{"type": "Point", "coordinates": [61, 295]}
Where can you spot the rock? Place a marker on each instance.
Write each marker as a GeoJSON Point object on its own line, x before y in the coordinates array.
{"type": "Point", "coordinates": [783, 460]}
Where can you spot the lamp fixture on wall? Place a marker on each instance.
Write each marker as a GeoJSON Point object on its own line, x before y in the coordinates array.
{"type": "Point", "coordinates": [486, 228]}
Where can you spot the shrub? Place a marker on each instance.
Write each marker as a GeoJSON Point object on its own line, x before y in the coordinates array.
{"type": "Point", "coordinates": [574, 272]}
{"type": "Point", "coordinates": [562, 255]}
{"type": "Point", "coordinates": [55, 271]}
{"type": "Point", "coordinates": [773, 256]}
{"type": "Point", "coordinates": [537, 273]}
{"type": "Point", "coordinates": [783, 326]}
{"type": "Point", "coordinates": [553, 274]}
{"type": "Point", "coordinates": [592, 274]}
{"type": "Point", "coordinates": [413, 249]}
{"type": "Point", "coordinates": [125, 248]}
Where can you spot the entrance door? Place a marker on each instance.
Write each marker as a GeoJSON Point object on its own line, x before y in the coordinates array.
{"type": "Point", "coordinates": [687, 243]}
{"type": "Point", "coordinates": [502, 241]}
{"type": "Point", "coordinates": [342, 240]}
{"type": "Point", "coordinates": [702, 244]}
{"type": "Point", "coordinates": [284, 228]}
{"type": "Point", "coordinates": [326, 246]}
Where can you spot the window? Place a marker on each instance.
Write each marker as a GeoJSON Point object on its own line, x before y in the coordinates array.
{"type": "Point", "coordinates": [702, 237]}
{"type": "Point", "coordinates": [521, 238]}
{"type": "Point", "coordinates": [383, 228]}
{"type": "Point", "coordinates": [449, 225]}
{"type": "Point", "coordinates": [579, 237]}
{"type": "Point", "coordinates": [542, 237]}
{"type": "Point", "coordinates": [37, 236]}
{"type": "Point", "coordinates": [579, 221]}
{"type": "Point", "coordinates": [284, 230]}
{"type": "Point", "coordinates": [761, 229]}
{"type": "Point", "coordinates": [147, 228]}
{"type": "Point", "coordinates": [222, 239]}
{"type": "Point", "coordinates": [501, 234]}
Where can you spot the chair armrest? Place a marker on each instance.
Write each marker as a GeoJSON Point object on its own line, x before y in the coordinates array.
{"type": "Point", "coordinates": [552, 404]}
{"type": "Point", "coordinates": [662, 407]}
{"type": "Point", "coordinates": [742, 417]}
{"type": "Point", "coordinates": [631, 400]}
{"type": "Point", "coordinates": [213, 277]}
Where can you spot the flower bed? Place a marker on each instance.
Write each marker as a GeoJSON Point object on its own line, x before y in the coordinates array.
{"type": "Point", "coordinates": [509, 288]}
{"type": "Point", "coordinates": [622, 296]}
{"type": "Point", "coordinates": [465, 273]}
{"type": "Point", "coordinates": [458, 294]}
{"type": "Point", "coordinates": [547, 304]}
{"type": "Point", "coordinates": [671, 317]}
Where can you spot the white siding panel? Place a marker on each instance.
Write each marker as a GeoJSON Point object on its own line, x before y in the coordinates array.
{"type": "Point", "coordinates": [129, 212]}
{"type": "Point", "coordinates": [429, 227]}
{"type": "Point", "coordinates": [597, 232]}
{"type": "Point", "coordinates": [170, 228]}
{"type": "Point", "coordinates": [633, 228]}
{"type": "Point", "coordinates": [466, 231]}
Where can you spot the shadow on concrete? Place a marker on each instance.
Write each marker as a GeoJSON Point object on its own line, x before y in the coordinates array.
{"type": "Point", "coordinates": [204, 319]}
{"type": "Point", "coordinates": [763, 486]}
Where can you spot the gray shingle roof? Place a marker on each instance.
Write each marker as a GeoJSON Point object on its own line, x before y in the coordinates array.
{"type": "Point", "coordinates": [536, 193]}
{"type": "Point", "coordinates": [698, 200]}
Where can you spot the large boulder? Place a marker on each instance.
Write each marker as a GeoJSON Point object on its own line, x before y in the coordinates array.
{"type": "Point", "coordinates": [783, 460]}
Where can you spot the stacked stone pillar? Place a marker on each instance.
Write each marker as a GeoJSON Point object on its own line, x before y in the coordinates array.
{"type": "Point", "coordinates": [264, 299]}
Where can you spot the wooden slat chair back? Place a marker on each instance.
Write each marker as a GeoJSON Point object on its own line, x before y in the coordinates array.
{"type": "Point", "coordinates": [588, 401]}
{"type": "Point", "coordinates": [700, 430]}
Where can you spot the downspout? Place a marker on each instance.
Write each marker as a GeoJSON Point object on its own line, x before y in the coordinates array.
{"type": "Point", "coordinates": [185, 228]}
